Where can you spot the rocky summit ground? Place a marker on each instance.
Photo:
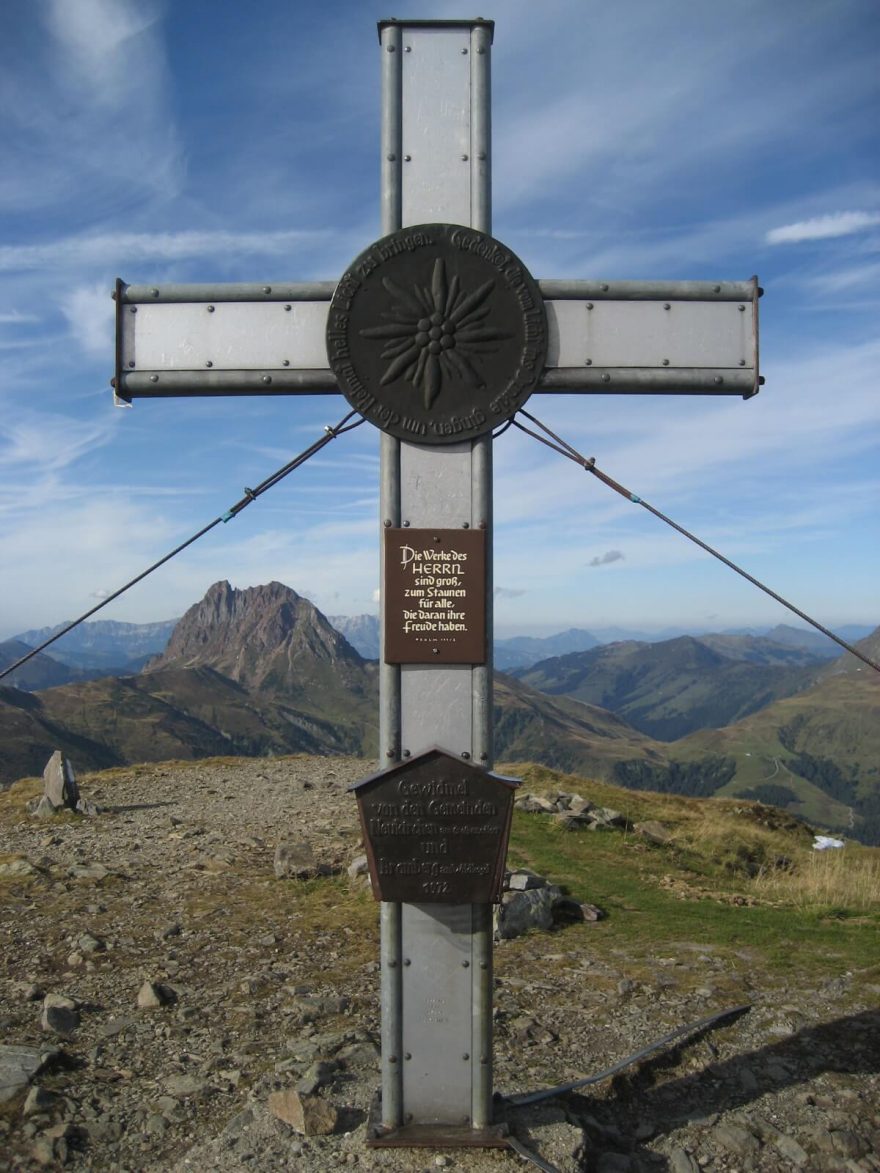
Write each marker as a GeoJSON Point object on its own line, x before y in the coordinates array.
{"type": "Point", "coordinates": [166, 999]}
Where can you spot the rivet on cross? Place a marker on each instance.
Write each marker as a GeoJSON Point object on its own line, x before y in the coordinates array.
{"type": "Point", "coordinates": [436, 333]}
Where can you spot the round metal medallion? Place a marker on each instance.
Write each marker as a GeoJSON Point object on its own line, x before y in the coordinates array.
{"type": "Point", "coordinates": [437, 333]}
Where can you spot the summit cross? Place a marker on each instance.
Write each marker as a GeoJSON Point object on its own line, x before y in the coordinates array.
{"type": "Point", "coordinates": [437, 334]}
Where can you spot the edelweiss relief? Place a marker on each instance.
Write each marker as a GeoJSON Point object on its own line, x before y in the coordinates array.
{"type": "Point", "coordinates": [437, 333]}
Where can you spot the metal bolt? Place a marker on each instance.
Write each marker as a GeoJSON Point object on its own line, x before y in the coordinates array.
{"type": "Point", "coordinates": [481, 49]}
{"type": "Point", "coordinates": [209, 363]}
{"type": "Point", "coordinates": [667, 306]}
{"type": "Point", "coordinates": [288, 308]}
{"type": "Point", "coordinates": [481, 155]}
{"type": "Point", "coordinates": [210, 309]}
{"type": "Point", "coordinates": [604, 288]}
{"type": "Point", "coordinates": [407, 753]}
{"type": "Point", "coordinates": [435, 651]}
{"type": "Point", "coordinates": [154, 292]}
{"type": "Point", "coordinates": [389, 753]}
{"type": "Point", "coordinates": [391, 48]}
{"type": "Point", "coordinates": [154, 378]}
{"type": "Point", "coordinates": [285, 362]}
{"type": "Point", "coordinates": [588, 362]}
{"type": "Point", "coordinates": [718, 379]}
{"type": "Point", "coordinates": [484, 965]}
{"type": "Point", "coordinates": [742, 309]}
{"type": "Point", "coordinates": [666, 362]}
{"type": "Point", "coordinates": [465, 965]}
{"type": "Point", "coordinates": [716, 288]}
{"type": "Point", "coordinates": [484, 757]}
{"type": "Point", "coordinates": [408, 1055]}
{"type": "Point", "coordinates": [131, 363]}
{"type": "Point", "coordinates": [133, 309]}
{"type": "Point", "coordinates": [464, 158]}
{"type": "Point", "coordinates": [407, 961]}
{"type": "Point", "coordinates": [466, 1056]}
{"type": "Point", "coordinates": [266, 379]}
{"type": "Point", "coordinates": [436, 538]}
{"type": "Point", "coordinates": [465, 755]}
{"type": "Point", "coordinates": [392, 1058]}
{"type": "Point", "coordinates": [464, 52]}
{"type": "Point", "coordinates": [742, 362]}
{"type": "Point", "coordinates": [267, 289]}
{"type": "Point", "coordinates": [589, 305]}
{"type": "Point", "coordinates": [465, 525]}
{"type": "Point", "coordinates": [387, 524]}
{"type": "Point", "coordinates": [406, 525]}
{"type": "Point", "coordinates": [408, 49]}
{"type": "Point", "coordinates": [606, 378]}
{"type": "Point", "coordinates": [407, 158]}
{"type": "Point", "coordinates": [391, 157]}
{"type": "Point", "coordinates": [483, 525]}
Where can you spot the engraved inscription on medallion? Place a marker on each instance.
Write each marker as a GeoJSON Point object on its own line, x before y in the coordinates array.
{"type": "Point", "coordinates": [437, 333]}
{"type": "Point", "coordinates": [436, 829]}
{"type": "Point", "coordinates": [435, 596]}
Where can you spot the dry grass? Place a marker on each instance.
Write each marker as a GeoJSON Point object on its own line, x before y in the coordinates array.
{"type": "Point", "coordinates": [847, 879]}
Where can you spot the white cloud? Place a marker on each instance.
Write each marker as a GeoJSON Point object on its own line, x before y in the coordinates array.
{"type": "Point", "coordinates": [86, 110]}
{"type": "Point", "coordinates": [114, 247]}
{"type": "Point", "coordinates": [16, 318]}
{"type": "Point", "coordinates": [89, 311]}
{"type": "Point", "coordinates": [823, 227]}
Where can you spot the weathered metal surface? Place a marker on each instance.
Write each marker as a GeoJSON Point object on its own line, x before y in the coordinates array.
{"type": "Point", "coordinates": [435, 831]}
{"type": "Point", "coordinates": [611, 338]}
{"type": "Point", "coordinates": [437, 333]}
{"type": "Point", "coordinates": [435, 596]}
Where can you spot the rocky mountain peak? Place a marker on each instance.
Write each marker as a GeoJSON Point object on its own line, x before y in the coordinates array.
{"type": "Point", "coordinates": [261, 636]}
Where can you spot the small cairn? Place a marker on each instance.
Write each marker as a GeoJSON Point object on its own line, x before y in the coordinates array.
{"type": "Point", "coordinates": [60, 791]}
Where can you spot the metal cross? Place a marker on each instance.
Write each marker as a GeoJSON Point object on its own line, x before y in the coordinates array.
{"type": "Point", "coordinates": [601, 338]}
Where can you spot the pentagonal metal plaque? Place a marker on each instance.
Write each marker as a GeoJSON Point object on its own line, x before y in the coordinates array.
{"type": "Point", "coordinates": [437, 333]}
{"type": "Point", "coordinates": [435, 830]}
{"type": "Point", "coordinates": [435, 596]}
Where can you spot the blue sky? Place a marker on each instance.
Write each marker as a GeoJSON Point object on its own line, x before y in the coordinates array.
{"type": "Point", "coordinates": [197, 141]}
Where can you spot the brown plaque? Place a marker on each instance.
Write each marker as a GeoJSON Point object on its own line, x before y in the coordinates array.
{"type": "Point", "coordinates": [435, 596]}
{"type": "Point", "coordinates": [436, 829]}
{"type": "Point", "coordinates": [437, 333]}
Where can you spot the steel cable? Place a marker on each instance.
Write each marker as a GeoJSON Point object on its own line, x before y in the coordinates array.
{"type": "Point", "coordinates": [557, 444]}
{"type": "Point", "coordinates": [330, 433]}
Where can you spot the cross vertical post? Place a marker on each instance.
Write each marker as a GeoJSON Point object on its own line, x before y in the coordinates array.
{"type": "Point", "coordinates": [436, 959]}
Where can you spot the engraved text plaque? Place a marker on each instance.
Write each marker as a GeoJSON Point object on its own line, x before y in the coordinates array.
{"type": "Point", "coordinates": [435, 596]}
{"type": "Point", "coordinates": [435, 830]}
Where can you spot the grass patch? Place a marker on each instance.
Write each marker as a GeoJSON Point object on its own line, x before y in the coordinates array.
{"type": "Point", "coordinates": [735, 876]}
{"type": "Point", "coordinates": [839, 882]}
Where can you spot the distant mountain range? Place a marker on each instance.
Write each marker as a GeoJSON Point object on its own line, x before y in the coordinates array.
{"type": "Point", "coordinates": [523, 651]}
{"type": "Point", "coordinates": [262, 671]}
{"type": "Point", "coordinates": [103, 643]}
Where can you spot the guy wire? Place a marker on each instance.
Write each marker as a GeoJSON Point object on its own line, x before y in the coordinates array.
{"type": "Point", "coordinates": [249, 495]}
{"type": "Point", "coordinates": [589, 465]}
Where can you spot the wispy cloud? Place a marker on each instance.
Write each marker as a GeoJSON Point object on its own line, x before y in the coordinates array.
{"type": "Point", "coordinates": [16, 318]}
{"type": "Point", "coordinates": [113, 247]}
{"type": "Point", "coordinates": [89, 312]}
{"type": "Point", "coordinates": [97, 126]}
{"type": "Point", "coordinates": [823, 227]}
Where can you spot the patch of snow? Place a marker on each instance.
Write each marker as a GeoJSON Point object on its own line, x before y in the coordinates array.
{"type": "Point", "coordinates": [824, 842]}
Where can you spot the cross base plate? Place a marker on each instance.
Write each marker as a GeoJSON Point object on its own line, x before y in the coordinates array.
{"type": "Point", "coordinates": [432, 1136]}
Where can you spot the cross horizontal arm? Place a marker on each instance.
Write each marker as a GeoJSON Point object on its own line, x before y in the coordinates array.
{"type": "Point", "coordinates": [622, 337]}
